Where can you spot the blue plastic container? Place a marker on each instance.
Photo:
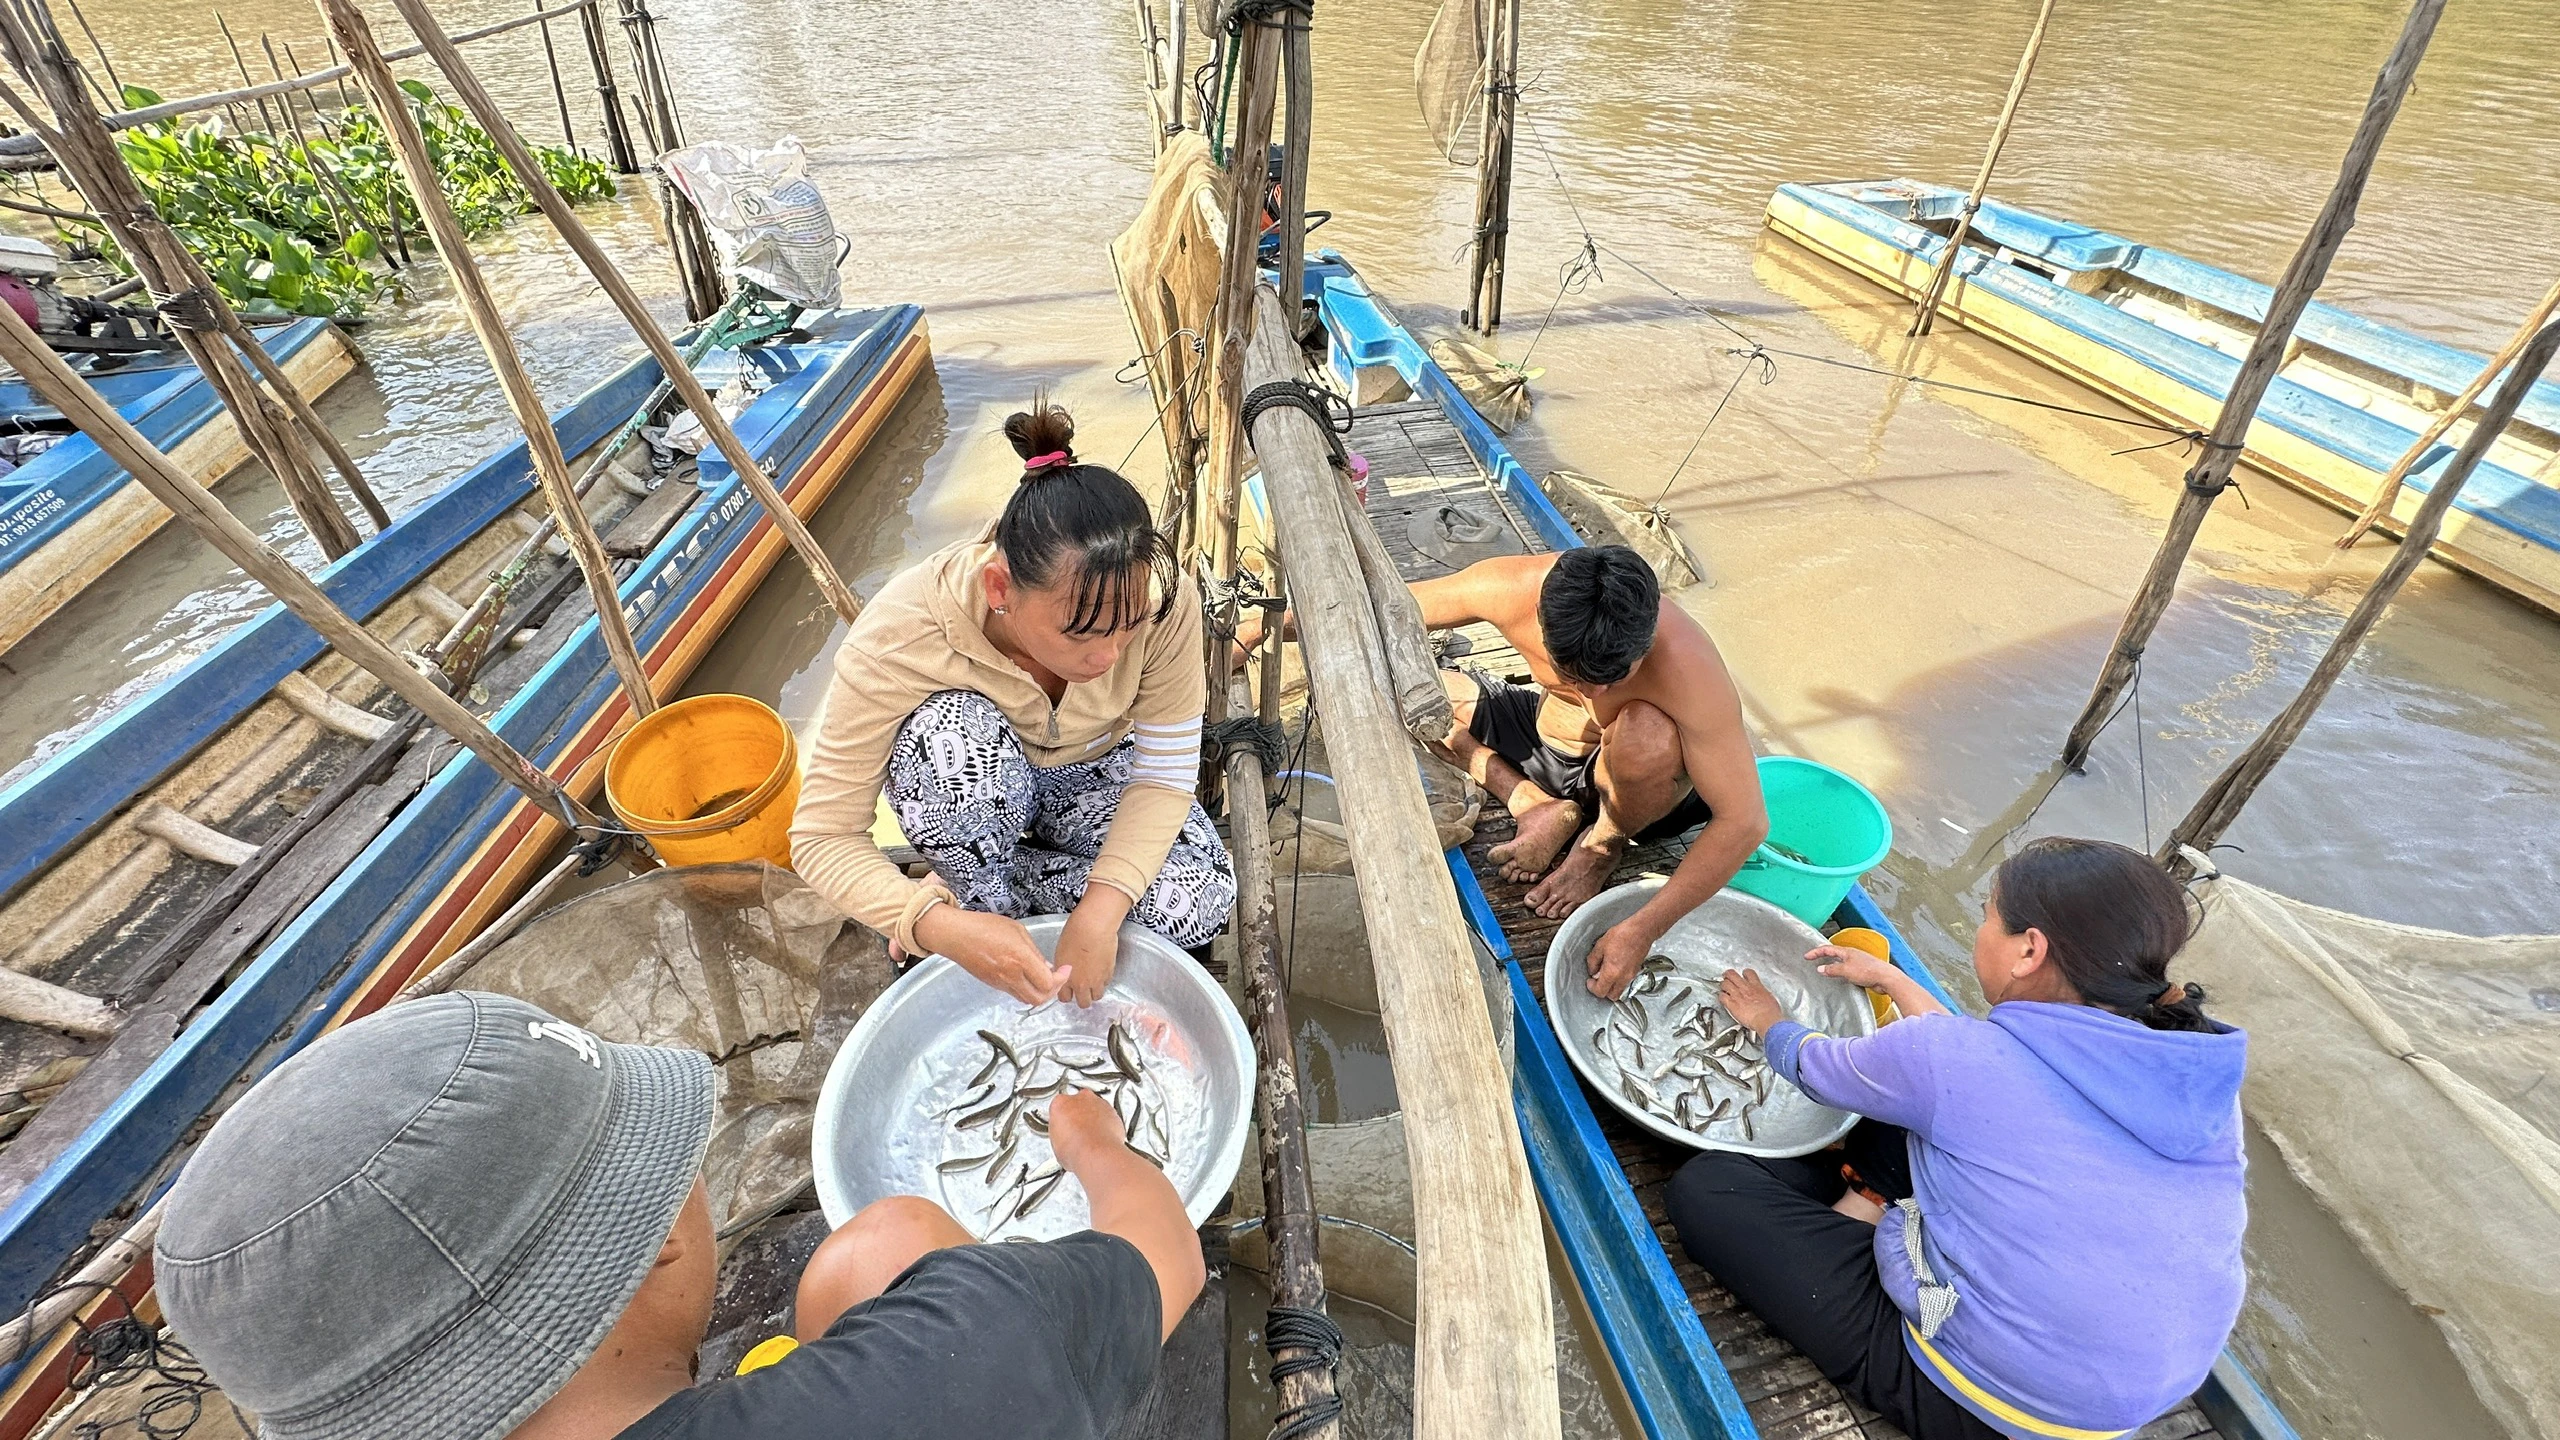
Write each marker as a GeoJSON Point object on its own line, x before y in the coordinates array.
{"type": "Point", "coordinates": [1825, 830]}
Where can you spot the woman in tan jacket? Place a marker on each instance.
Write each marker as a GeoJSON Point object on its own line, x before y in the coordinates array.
{"type": "Point", "coordinates": [1030, 702]}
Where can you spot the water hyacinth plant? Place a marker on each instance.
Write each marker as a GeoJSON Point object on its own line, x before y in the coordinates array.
{"type": "Point", "coordinates": [285, 229]}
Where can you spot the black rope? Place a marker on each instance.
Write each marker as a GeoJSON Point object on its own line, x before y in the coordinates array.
{"type": "Point", "coordinates": [1332, 413]}
{"type": "Point", "coordinates": [597, 851]}
{"type": "Point", "coordinates": [1315, 1343]}
{"type": "Point", "coordinates": [1263, 737]}
{"type": "Point", "coordinates": [123, 1350]}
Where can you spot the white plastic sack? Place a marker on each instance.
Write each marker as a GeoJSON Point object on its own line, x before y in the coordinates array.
{"type": "Point", "coordinates": [770, 222]}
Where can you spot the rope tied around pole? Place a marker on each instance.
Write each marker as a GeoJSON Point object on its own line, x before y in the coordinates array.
{"type": "Point", "coordinates": [1314, 1343]}
{"type": "Point", "coordinates": [1240, 733]}
{"type": "Point", "coordinates": [188, 309]}
{"type": "Point", "coordinates": [1331, 412]}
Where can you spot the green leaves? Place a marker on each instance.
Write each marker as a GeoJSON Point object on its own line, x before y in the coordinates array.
{"type": "Point", "coordinates": [265, 214]}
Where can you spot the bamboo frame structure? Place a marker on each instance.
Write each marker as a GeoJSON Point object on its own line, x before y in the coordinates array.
{"type": "Point", "coordinates": [2220, 803]}
{"type": "Point", "coordinates": [1484, 1342]}
{"type": "Point", "coordinates": [45, 373]}
{"type": "Point", "coordinates": [542, 443]}
{"type": "Point", "coordinates": [677, 370]}
{"type": "Point", "coordinates": [1927, 315]}
{"type": "Point", "coordinates": [2211, 473]}
{"type": "Point", "coordinates": [2454, 409]}
{"type": "Point", "coordinates": [1231, 314]}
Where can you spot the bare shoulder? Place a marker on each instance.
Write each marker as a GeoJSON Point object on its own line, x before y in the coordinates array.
{"type": "Point", "coordinates": [1685, 674]}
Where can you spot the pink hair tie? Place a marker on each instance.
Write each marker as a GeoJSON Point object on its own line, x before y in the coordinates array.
{"type": "Point", "coordinates": [1050, 461]}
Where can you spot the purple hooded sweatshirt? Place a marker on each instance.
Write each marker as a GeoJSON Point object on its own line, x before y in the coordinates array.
{"type": "Point", "coordinates": [2079, 1182]}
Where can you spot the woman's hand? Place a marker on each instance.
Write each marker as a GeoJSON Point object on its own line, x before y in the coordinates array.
{"type": "Point", "coordinates": [1090, 945]}
{"type": "Point", "coordinates": [996, 949]}
{"type": "Point", "coordinates": [1748, 1001]}
{"type": "Point", "coordinates": [1841, 962]}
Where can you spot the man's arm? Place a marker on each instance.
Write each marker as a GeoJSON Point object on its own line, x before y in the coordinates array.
{"type": "Point", "coordinates": [1486, 590]}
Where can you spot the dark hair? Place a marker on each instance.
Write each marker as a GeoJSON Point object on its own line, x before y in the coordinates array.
{"type": "Point", "coordinates": [1084, 524]}
{"type": "Point", "coordinates": [2111, 919]}
{"type": "Point", "coordinates": [1597, 611]}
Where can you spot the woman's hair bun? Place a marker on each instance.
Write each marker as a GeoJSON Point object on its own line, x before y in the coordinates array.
{"type": "Point", "coordinates": [1042, 430]}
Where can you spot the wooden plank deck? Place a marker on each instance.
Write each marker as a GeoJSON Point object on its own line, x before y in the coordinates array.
{"type": "Point", "coordinates": [1417, 461]}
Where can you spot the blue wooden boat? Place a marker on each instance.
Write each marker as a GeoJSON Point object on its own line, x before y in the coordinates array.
{"type": "Point", "coordinates": [463, 844]}
{"type": "Point", "coordinates": [2165, 335]}
{"type": "Point", "coordinates": [68, 515]}
{"type": "Point", "coordinates": [1675, 1379]}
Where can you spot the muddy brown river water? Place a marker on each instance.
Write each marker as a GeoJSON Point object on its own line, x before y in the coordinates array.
{"type": "Point", "coordinates": [1912, 584]}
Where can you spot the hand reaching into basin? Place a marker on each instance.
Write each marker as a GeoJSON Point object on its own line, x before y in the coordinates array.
{"type": "Point", "coordinates": [1129, 1197]}
{"type": "Point", "coordinates": [996, 949]}
{"type": "Point", "coordinates": [1747, 999]}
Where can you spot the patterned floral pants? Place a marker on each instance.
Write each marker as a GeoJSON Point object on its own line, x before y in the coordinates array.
{"type": "Point", "coordinates": [1018, 839]}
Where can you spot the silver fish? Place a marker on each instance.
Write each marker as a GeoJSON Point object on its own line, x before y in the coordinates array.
{"type": "Point", "coordinates": [1001, 1047]}
{"type": "Point", "coordinates": [958, 1163]}
{"type": "Point", "coordinates": [1002, 1156]}
{"type": "Point", "coordinates": [1123, 1053]}
{"type": "Point", "coordinates": [1042, 1191]}
{"type": "Point", "coordinates": [982, 1117]}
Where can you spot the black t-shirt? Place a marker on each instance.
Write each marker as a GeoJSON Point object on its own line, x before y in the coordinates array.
{"type": "Point", "coordinates": [981, 1342]}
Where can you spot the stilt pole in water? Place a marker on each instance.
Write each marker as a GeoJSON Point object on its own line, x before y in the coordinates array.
{"type": "Point", "coordinates": [2220, 803]}
{"type": "Point", "coordinates": [1484, 1338]}
{"type": "Point", "coordinates": [559, 92]}
{"type": "Point", "coordinates": [542, 443]}
{"type": "Point", "coordinates": [1288, 1198]}
{"type": "Point", "coordinates": [1939, 278]}
{"type": "Point", "coordinates": [180, 289]}
{"type": "Point", "coordinates": [1181, 43]}
{"type": "Point", "coordinates": [678, 371]}
{"type": "Point", "coordinates": [1493, 169]}
{"type": "Point", "coordinates": [2460, 405]}
{"type": "Point", "coordinates": [697, 264]}
{"type": "Point", "coordinates": [617, 126]}
{"type": "Point", "coordinates": [2207, 478]}
{"type": "Point", "coordinates": [45, 373]}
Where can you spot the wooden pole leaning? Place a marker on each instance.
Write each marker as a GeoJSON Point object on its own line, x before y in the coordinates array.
{"type": "Point", "coordinates": [1946, 268]}
{"type": "Point", "coordinates": [1297, 54]}
{"type": "Point", "coordinates": [542, 443]}
{"type": "Point", "coordinates": [1493, 169]}
{"type": "Point", "coordinates": [2220, 803]}
{"type": "Point", "coordinates": [184, 293]}
{"type": "Point", "coordinates": [45, 373]}
{"type": "Point", "coordinates": [1231, 314]}
{"type": "Point", "coordinates": [2211, 473]}
{"type": "Point", "coordinates": [1288, 1197]}
{"type": "Point", "coordinates": [1484, 1343]}
{"type": "Point", "coordinates": [2388, 493]}
{"type": "Point", "coordinates": [689, 389]}
{"type": "Point", "coordinates": [1421, 700]}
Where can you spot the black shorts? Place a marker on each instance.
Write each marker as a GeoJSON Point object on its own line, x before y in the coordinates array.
{"type": "Point", "coordinates": [1506, 722]}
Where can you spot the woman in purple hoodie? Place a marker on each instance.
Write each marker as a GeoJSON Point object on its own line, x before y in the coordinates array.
{"type": "Point", "coordinates": [2044, 1234]}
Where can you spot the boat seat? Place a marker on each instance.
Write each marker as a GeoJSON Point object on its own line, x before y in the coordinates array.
{"type": "Point", "coordinates": [2058, 242]}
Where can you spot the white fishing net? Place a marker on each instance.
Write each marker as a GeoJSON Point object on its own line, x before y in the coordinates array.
{"type": "Point", "coordinates": [2407, 1077]}
{"type": "Point", "coordinates": [1449, 76]}
{"type": "Point", "coordinates": [744, 963]}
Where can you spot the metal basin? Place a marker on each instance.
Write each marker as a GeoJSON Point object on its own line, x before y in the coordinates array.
{"type": "Point", "coordinates": [1732, 931]}
{"type": "Point", "coordinates": [881, 1128]}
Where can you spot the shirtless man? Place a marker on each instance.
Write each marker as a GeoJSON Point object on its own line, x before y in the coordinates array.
{"type": "Point", "coordinates": [1633, 726]}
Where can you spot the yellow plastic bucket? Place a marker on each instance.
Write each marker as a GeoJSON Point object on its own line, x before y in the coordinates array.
{"type": "Point", "coordinates": [710, 779]}
{"type": "Point", "coordinates": [1874, 943]}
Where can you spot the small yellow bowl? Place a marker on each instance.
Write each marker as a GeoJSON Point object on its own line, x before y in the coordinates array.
{"type": "Point", "coordinates": [1874, 943]}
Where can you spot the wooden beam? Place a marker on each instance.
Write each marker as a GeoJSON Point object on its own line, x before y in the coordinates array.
{"type": "Point", "coordinates": [1928, 313]}
{"type": "Point", "coordinates": [480, 307]}
{"type": "Point", "coordinates": [2212, 471]}
{"type": "Point", "coordinates": [1484, 1343]}
{"type": "Point", "coordinates": [61, 1302]}
{"type": "Point", "coordinates": [45, 373]}
{"type": "Point", "coordinates": [677, 369]}
{"type": "Point", "coordinates": [1420, 698]}
{"type": "Point", "coordinates": [1297, 53]}
{"type": "Point", "coordinates": [2220, 803]}
{"type": "Point", "coordinates": [2388, 493]}
{"type": "Point", "coordinates": [1492, 246]}
{"type": "Point", "coordinates": [1288, 1196]}
{"type": "Point", "coordinates": [41, 1003]}
{"type": "Point", "coordinates": [1231, 314]}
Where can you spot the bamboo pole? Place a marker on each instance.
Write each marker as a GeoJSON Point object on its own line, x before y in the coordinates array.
{"type": "Point", "coordinates": [327, 182]}
{"type": "Point", "coordinates": [180, 288]}
{"type": "Point", "coordinates": [2206, 479]}
{"type": "Point", "coordinates": [1181, 78]}
{"type": "Point", "coordinates": [2454, 410]}
{"type": "Point", "coordinates": [266, 116]}
{"type": "Point", "coordinates": [61, 1302]}
{"type": "Point", "coordinates": [1288, 1197]}
{"type": "Point", "coordinates": [45, 373]}
{"type": "Point", "coordinates": [617, 126]}
{"type": "Point", "coordinates": [1492, 247]}
{"type": "Point", "coordinates": [1297, 50]}
{"type": "Point", "coordinates": [559, 92]}
{"type": "Point", "coordinates": [1946, 268]}
{"type": "Point", "coordinates": [337, 72]}
{"type": "Point", "coordinates": [1484, 1343]}
{"type": "Point", "coordinates": [689, 389]}
{"type": "Point", "coordinates": [105, 64]}
{"type": "Point", "coordinates": [1411, 676]}
{"type": "Point", "coordinates": [1231, 314]}
{"type": "Point", "coordinates": [2220, 803]}
{"type": "Point", "coordinates": [542, 443]}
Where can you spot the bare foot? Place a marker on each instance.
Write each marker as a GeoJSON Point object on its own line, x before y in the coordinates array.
{"type": "Point", "coordinates": [1542, 834]}
{"type": "Point", "coordinates": [1578, 877]}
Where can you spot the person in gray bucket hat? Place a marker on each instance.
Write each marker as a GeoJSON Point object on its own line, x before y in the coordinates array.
{"type": "Point", "coordinates": [462, 1219]}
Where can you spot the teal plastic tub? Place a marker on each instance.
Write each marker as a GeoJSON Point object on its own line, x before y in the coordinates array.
{"type": "Point", "coordinates": [1825, 831]}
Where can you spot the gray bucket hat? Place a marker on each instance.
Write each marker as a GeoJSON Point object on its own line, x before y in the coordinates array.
{"type": "Point", "coordinates": [421, 1226]}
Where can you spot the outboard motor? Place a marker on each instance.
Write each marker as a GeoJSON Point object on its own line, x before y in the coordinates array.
{"type": "Point", "coordinates": [71, 324]}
